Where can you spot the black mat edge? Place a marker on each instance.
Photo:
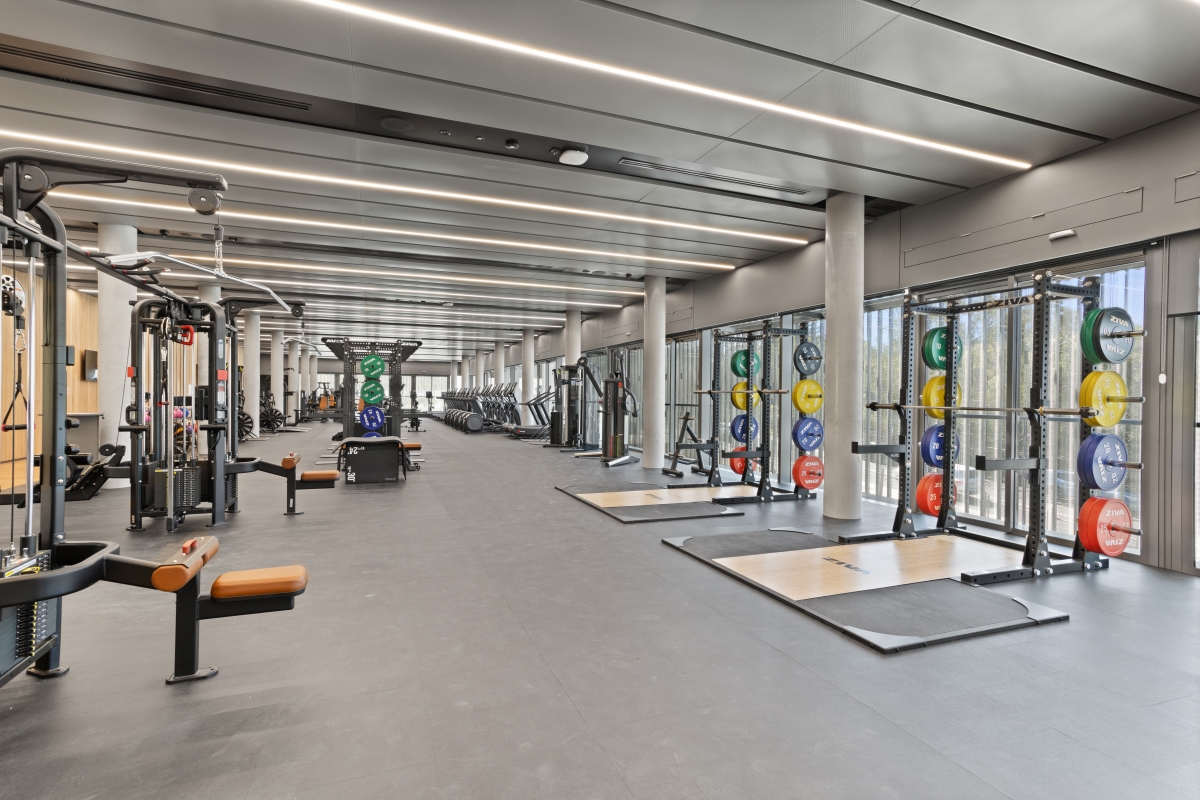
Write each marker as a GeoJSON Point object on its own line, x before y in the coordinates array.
{"type": "Point", "coordinates": [887, 643]}
{"type": "Point", "coordinates": [727, 512]}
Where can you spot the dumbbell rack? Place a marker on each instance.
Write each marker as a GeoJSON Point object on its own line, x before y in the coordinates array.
{"type": "Point", "coordinates": [766, 492]}
{"type": "Point", "coordinates": [1037, 560]}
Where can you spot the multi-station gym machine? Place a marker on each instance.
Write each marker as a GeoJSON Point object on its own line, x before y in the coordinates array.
{"type": "Point", "coordinates": [569, 428]}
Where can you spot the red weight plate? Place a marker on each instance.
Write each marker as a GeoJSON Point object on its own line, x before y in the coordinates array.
{"type": "Point", "coordinates": [1113, 513]}
{"type": "Point", "coordinates": [1087, 523]}
{"type": "Point", "coordinates": [929, 494]}
{"type": "Point", "coordinates": [809, 472]}
{"type": "Point", "coordinates": [923, 494]}
{"type": "Point", "coordinates": [738, 465]}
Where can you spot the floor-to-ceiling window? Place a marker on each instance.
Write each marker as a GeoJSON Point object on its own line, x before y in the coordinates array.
{"type": "Point", "coordinates": [597, 361]}
{"type": "Point", "coordinates": [683, 371]}
{"type": "Point", "coordinates": [634, 364]}
{"type": "Point", "coordinates": [883, 347]}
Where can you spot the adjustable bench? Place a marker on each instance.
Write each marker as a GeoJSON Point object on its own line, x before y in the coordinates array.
{"type": "Point", "coordinates": [313, 479]}
{"type": "Point", "coordinates": [233, 594]}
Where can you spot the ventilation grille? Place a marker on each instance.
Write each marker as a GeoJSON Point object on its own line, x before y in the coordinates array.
{"type": "Point", "coordinates": [148, 77]}
{"type": "Point", "coordinates": [695, 173]}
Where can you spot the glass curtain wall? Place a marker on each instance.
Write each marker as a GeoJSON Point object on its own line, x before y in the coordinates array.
{"type": "Point", "coordinates": [683, 379]}
{"type": "Point", "coordinates": [432, 383]}
{"type": "Point", "coordinates": [883, 347]}
{"type": "Point", "coordinates": [634, 363]}
{"type": "Point", "coordinates": [598, 363]}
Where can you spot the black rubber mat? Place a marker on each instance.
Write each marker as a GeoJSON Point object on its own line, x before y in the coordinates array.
{"type": "Point", "coordinates": [630, 514]}
{"type": "Point", "coordinates": [728, 545]}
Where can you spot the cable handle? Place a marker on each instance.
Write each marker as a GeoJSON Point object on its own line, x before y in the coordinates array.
{"type": "Point", "coordinates": [189, 335]}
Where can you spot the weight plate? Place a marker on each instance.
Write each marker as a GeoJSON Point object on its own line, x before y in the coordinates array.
{"type": "Point", "coordinates": [808, 433]}
{"type": "Point", "coordinates": [934, 394]}
{"type": "Point", "coordinates": [1097, 392]}
{"type": "Point", "coordinates": [1095, 462]}
{"type": "Point", "coordinates": [738, 363]}
{"type": "Point", "coordinates": [372, 392]}
{"type": "Point", "coordinates": [807, 358]}
{"type": "Point", "coordinates": [933, 446]}
{"type": "Point", "coordinates": [738, 465]}
{"type": "Point", "coordinates": [808, 396]}
{"type": "Point", "coordinates": [929, 494]}
{"type": "Point", "coordinates": [933, 348]}
{"type": "Point", "coordinates": [744, 395]}
{"type": "Point", "coordinates": [372, 365]}
{"type": "Point", "coordinates": [808, 471]}
{"type": "Point", "coordinates": [1107, 341]}
{"type": "Point", "coordinates": [372, 418]}
{"type": "Point", "coordinates": [1104, 525]}
{"type": "Point", "coordinates": [372, 435]}
{"type": "Point", "coordinates": [738, 428]}
{"type": "Point", "coordinates": [1085, 335]}
{"type": "Point", "coordinates": [923, 496]}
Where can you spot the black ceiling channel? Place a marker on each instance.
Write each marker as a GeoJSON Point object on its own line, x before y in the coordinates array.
{"type": "Point", "coordinates": [1029, 50]}
{"type": "Point", "coordinates": [826, 65]}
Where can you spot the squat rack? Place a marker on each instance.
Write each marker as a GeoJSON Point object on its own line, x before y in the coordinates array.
{"type": "Point", "coordinates": [766, 492]}
{"type": "Point", "coordinates": [1038, 560]}
{"type": "Point", "coordinates": [350, 352]}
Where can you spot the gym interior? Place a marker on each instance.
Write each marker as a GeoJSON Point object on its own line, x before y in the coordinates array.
{"type": "Point", "coordinates": [599, 399]}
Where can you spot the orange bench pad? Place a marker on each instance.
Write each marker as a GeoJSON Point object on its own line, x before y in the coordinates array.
{"type": "Point", "coordinates": [412, 445]}
{"type": "Point", "coordinates": [257, 582]}
{"type": "Point", "coordinates": [320, 475]}
{"type": "Point", "coordinates": [291, 461]}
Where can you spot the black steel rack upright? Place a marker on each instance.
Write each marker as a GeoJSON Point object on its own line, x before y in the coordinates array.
{"type": "Point", "coordinates": [1038, 560]}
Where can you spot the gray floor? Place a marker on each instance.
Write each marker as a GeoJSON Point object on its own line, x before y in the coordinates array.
{"type": "Point", "coordinates": [477, 634]}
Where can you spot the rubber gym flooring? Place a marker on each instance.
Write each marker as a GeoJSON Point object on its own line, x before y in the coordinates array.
{"type": "Point", "coordinates": [475, 633]}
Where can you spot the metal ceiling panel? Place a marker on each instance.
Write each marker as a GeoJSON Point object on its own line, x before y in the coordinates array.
{"type": "Point", "coordinates": [890, 109]}
{"type": "Point", "coordinates": [1152, 40]}
{"type": "Point", "coordinates": [943, 61]}
{"type": "Point", "coordinates": [729, 211]}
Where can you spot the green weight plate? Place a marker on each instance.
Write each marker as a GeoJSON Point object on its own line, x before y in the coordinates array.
{"type": "Point", "coordinates": [737, 363]}
{"type": "Point", "coordinates": [933, 348]}
{"type": "Point", "coordinates": [372, 392]}
{"type": "Point", "coordinates": [372, 365]}
{"type": "Point", "coordinates": [1087, 333]}
{"type": "Point", "coordinates": [927, 349]}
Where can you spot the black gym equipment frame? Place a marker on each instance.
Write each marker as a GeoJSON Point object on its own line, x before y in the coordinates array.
{"type": "Point", "coordinates": [1038, 560]}
{"type": "Point", "coordinates": [350, 352]}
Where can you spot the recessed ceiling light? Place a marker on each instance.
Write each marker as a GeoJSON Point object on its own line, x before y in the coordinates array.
{"type": "Point", "coordinates": [512, 144]}
{"type": "Point", "coordinates": [338, 180]}
{"type": "Point", "coordinates": [345, 226]}
{"type": "Point", "coordinates": [444, 133]}
{"type": "Point", "coordinates": [479, 138]}
{"type": "Point", "coordinates": [657, 80]}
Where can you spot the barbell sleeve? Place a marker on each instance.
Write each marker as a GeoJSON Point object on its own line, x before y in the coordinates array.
{"type": "Point", "coordinates": [1119, 398]}
{"type": "Point", "coordinates": [1123, 334]}
{"type": "Point", "coordinates": [1125, 464]}
{"type": "Point", "coordinates": [1123, 529]}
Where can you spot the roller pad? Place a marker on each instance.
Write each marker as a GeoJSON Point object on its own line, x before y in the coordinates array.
{"type": "Point", "coordinates": [320, 475]}
{"type": "Point", "coordinates": [260, 582]}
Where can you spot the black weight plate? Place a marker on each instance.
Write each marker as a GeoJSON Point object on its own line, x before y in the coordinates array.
{"type": "Point", "coordinates": [1106, 341]}
{"type": "Point", "coordinates": [807, 358]}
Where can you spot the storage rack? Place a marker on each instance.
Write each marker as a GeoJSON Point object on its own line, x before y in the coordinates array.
{"type": "Point", "coordinates": [350, 352]}
{"type": "Point", "coordinates": [1038, 560]}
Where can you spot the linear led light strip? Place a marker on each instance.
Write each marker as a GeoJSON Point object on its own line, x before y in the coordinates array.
{"type": "Point", "coordinates": [393, 291]}
{"type": "Point", "coordinates": [419, 321]}
{"type": "Point", "coordinates": [395, 308]}
{"type": "Point", "coordinates": [389, 273]}
{"type": "Point", "coordinates": [657, 80]}
{"type": "Point", "coordinates": [385, 187]}
{"type": "Point", "coordinates": [346, 226]}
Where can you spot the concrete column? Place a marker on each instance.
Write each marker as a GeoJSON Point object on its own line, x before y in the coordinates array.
{"type": "Point", "coordinates": [114, 320]}
{"type": "Point", "coordinates": [574, 336]}
{"type": "Point", "coordinates": [210, 292]}
{"type": "Point", "coordinates": [277, 368]}
{"type": "Point", "coordinates": [455, 366]}
{"type": "Point", "coordinates": [844, 223]}
{"type": "Point", "coordinates": [305, 375]}
{"type": "Point", "coordinates": [498, 361]}
{"type": "Point", "coordinates": [313, 371]}
{"type": "Point", "coordinates": [293, 369]}
{"type": "Point", "coordinates": [528, 373]}
{"type": "Point", "coordinates": [252, 363]}
{"type": "Point", "coordinates": [479, 369]}
{"type": "Point", "coordinates": [654, 377]}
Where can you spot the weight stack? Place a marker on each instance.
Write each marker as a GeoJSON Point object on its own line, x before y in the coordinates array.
{"type": "Point", "coordinates": [186, 489]}
{"type": "Point", "coordinates": [24, 628]}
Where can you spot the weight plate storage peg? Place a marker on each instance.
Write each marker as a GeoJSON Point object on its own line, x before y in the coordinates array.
{"type": "Point", "coordinates": [372, 418]}
{"type": "Point", "coordinates": [1105, 526]}
{"type": "Point", "coordinates": [738, 465]}
{"type": "Point", "coordinates": [807, 358]}
{"type": "Point", "coordinates": [1099, 390]}
{"type": "Point", "coordinates": [737, 428]}
{"type": "Point", "coordinates": [737, 363]}
{"type": "Point", "coordinates": [933, 445]}
{"type": "Point", "coordinates": [372, 365]}
{"type": "Point", "coordinates": [809, 472]}
{"type": "Point", "coordinates": [933, 348]}
{"type": "Point", "coordinates": [808, 396]}
{"type": "Point", "coordinates": [1099, 460]}
{"type": "Point", "coordinates": [934, 394]}
{"type": "Point", "coordinates": [372, 392]}
{"type": "Point", "coordinates": [808, 433]}
{"type": "Point", "coordinates": [744, 395]}
{"type": "Point", "coordinates": [1103, 330]}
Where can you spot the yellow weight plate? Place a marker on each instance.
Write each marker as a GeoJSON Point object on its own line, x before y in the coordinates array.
{"type": "Point", "coordinates": [934, 394]}
{"type": "Point", "coordinates": [1097, 391]}
{"type": "Point", "coordinates": [808, 396]}
{"type": "Point", "coordinates": [742, 391]}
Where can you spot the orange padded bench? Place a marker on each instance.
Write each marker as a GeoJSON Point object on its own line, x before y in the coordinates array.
{"type": "Point", "coordinates": [411, 445]}
{"type": "Point", "coordinates": [260, 582]}
{"type": "Point", "coordinates": [313, 479]}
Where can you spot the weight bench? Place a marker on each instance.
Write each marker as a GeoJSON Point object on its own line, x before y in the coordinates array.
{"type": "Point", "coordinates": [408, 449]}
{"type": "Point", "coordinates": [233, 594]}
{"type": "Point", "coordinates": [314, 479]}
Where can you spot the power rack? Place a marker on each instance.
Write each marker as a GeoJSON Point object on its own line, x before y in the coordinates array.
{"type": "Point", "coordinates": [350, 352]}
{"type": "Point", "coordinates": [1038, 561]}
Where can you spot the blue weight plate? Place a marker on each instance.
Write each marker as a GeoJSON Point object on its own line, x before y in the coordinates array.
{"type": "Point", "coordinates": [808, 433]}
{"type": "Point", "coordinates": [372, 435]}
{"type": "Point", "coordinates": [1096, 457]}
{"type": "Point", "coordinates": [737, 428]}
{"type": "Point", "coordinates": [933, 446]}
{"type": "Point", "coordinates": [372, 418]}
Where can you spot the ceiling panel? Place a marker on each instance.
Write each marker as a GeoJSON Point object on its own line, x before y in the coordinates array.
{"type": "Point", "coordinates": [1152, 40]}
{"type": "Point", "coordinates": [932, 58]}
